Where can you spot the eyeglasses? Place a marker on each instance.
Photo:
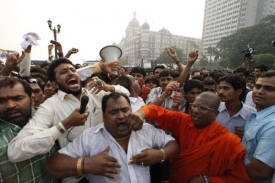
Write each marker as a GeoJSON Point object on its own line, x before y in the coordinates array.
{"type": "Point", "coordinates": [200, 107]}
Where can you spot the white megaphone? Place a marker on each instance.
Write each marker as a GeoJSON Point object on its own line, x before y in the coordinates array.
{"type": "Point", "coordinates": [111, 53]}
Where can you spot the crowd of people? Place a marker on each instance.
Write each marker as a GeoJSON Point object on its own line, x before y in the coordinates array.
{"type": "Point", "coordinates": [159, 125]}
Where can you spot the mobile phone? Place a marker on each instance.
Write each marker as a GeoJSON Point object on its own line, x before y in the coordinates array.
{"type": "Point", "coordinates": [53, 42]}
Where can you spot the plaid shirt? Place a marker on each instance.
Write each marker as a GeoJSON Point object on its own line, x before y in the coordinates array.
{"type": "Point", "coordinates": [28, 171]}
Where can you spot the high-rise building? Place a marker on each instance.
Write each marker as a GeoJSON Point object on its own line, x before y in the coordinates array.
{"type": "Point", "coordinates": [142, 45]}
{"type": "Point", "coordinates": [224, 17]}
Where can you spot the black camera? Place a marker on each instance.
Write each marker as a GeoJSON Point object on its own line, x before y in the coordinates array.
{"type": "Point", "coordinates": [249, 52]}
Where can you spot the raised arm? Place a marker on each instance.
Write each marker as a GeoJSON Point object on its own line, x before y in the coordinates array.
{"type": "Point", "coordinates": [11, 62]}
{"type": "Point", "coordinates": [25, 65]}
{"type": "Point", "coordinates": [173, 54]}
{"type": "Point", "coordinates": [192, 57]}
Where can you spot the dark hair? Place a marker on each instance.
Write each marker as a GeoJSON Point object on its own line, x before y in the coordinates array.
{"type": "Point", "coordinates": [139, 70]}
{"type": "Point", "coordinates": [198, 77]}
{"type": "Point", "coordinates": [152, 79]}
{"type": "Point", "coordinates": [193, 83]}
{"type": "Point", "coordinates": [124, 81]}
{"type": "Point", "coordinates": [54, 64]}
{"type": "Point", "coordinates": [268, 74]}
{"type": "Point", "coordinates": [11, 81]}
{"type": "Point", "coordinates": [251, 78]}
{"type": "Point", "coordinates": [167, 72]}
{"type": "Point", "coordinates": [237, 83]}
{"type": "Point", "coordinates": [40, 82]}
{"type": "Point", "coordinates": [262, 67]}
{"type": "Point", "coordinates": [44, 64]}
{"type": "Point", "coordinates": [216, 75]}
{"type": "Point", "coordinates": [209, 82]}
{"type": "Point", "coordinates": [158, 67]}
{"type": "Point", "coordinates": [242, 70]}
{"type": "Point", "coordinates": [115, 96]}
{"type": "Point", "coordinates": [38, 70]}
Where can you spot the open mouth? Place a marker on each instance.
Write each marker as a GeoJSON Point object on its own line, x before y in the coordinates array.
{"type": "Point", "coordinates": [122, 125]}
{"type": "Point", "coordinates": [73, 83]}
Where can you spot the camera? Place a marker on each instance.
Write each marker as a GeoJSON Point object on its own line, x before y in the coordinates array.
{"type": "Point", "coordinates": [249, 52]}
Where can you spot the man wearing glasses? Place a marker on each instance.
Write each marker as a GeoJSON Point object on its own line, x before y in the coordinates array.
{"type": "Point", "coordinates": [208, 152]}
{"type": "Point", "coordinates": [37, 86]}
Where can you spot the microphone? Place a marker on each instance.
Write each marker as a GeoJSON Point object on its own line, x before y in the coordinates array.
{"type": "Point", "coordinates": [83, 103]}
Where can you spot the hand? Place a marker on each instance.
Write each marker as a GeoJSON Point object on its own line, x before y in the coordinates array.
{"type": "Point", "coordinates": [76, 119]}
{"type": "Point", "coordinates": [110, 66]}
{"type": "Point", "coordinates": [135, 120]}
{"type": "Point", "coordinates": [59, 47]}
{"type": "Point", "coordinates": [96, 85]}
{"type": "Point", "coordinates": [28, 50]}
{"type": "Point", "coordinates": [239, 131]}
{"type": "Point", "coordinates": [13, 60]}
{"type": "Point", "coordinates": [172, 53]}
{"type": "Point", "coordinates": [177, 99]}
{"type": "Point", "coordinates": [195, 179]}
{"type": "Point", "coordinates": [172, 86]}
{"type": "Point", "coordinates": [192, 56]}
{"type": "Point", "coordinates": [102, 164]}
{"type": "Point", "coordinates": [50, 47]}
{"type": "Point", "coordinates": [147, 157]}
{"type": "Point", "coordinates": [73, 50]}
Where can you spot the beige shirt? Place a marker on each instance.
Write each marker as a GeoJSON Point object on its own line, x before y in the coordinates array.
{"type": "Point", "coordinates": [40, 133]}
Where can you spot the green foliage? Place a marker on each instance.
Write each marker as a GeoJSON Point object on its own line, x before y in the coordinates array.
{"type": "Point", "coordinates": [266, 59]}
{"type": "Point", "coordinates": [164, 58]}
{"type": "Point", "coordinates": [258, 37]}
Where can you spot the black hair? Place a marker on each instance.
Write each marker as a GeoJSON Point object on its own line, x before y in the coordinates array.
{"type": "Point", "coordinates": [209, 82]}
{"type": "Point", "coordinates": [158, 67]}
{"type": "Point", "coordinates": [54, 64]}
{"type": "Point", "coordinates": [193, 83]}
{"type": "Point", "coordinates": [268, 74]}
{"type": "Point", "coordinates": [241, 70]}
{"type": "Point", "coordinates": [115, 96]}
{"type": "Point", "coordinates": [124, 81]}
{"type": "Point", "coordinates": [152, 79]}
{"type": "Point", "coordinates": [167, 72]}
{"type": "Point", "coordinates": [40, 82]}
{"type": "Point", "coordinates": [236, 82]}
{"type": "Point", "coordinates": [11, 81]}
{"type": "Point", "coordinates": [139, 70]}
{"type": "Point", "coordinates": [262, 67]}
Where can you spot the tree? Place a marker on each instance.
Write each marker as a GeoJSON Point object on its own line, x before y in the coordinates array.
{"type": "Point", "coordinates": [266, 59]}
{"type": "Point", "coordinates": [164, 58]}
{"type": "Point", "coordinates": [258, 37]}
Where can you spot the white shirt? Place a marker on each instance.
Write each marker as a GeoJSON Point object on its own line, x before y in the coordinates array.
{"type": "Point", "coordinates": [249, 101]}
{"type": "Point", "coordinates": [237, 119]}
{"type": "Point", "coordinates": [136, 103]}
{"type": "Point", "coordinates": [40, 133]}
{"type": "Point", "coordinates": [95, 140]}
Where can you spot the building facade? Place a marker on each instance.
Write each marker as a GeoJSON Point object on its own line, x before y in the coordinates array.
{"type": "Point", "coordinates": [141, 45]}
{"type": "Point", "coordinates": [225, 17]}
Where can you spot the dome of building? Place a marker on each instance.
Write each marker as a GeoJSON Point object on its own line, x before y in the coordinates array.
{"type": "Point", "coordinates": [145, 26]}
{"type": "Point", "coordinates": [134, 22]}
{"type": "Point", "coordinates": [163, 30]}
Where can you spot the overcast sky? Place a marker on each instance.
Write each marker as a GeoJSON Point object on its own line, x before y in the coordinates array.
{"type": "Point", "coordinates": [90, 25]}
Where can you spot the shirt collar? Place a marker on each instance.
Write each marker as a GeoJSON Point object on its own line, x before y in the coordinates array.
{"type": "Point", "coordinates": [265, 112]}
{"type": "Point", "coordinates": [241, 112]}
{"type": "Point", "coordinates": [222, 107]}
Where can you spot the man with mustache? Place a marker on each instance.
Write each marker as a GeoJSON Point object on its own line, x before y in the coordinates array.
{"type": "Point", "coordinates": [208, 152]}
{"type": "Point", "coordinates": [15, 112]}
{"type": "Point", "coordinates": [232, 111]}
{"type": "Point", "coordinates": [259, 131]}
{"type": "Point", "coordinates": [130, 152]}
{"type": "Point", "coordinates": [58, 118]}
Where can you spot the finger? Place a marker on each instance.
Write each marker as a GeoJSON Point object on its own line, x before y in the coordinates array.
{"type": "Point", "coordinates": [112, 164]}
{"type": "Point", "coordinates": [110, 170]}
{"type": "Point", "coordinates": [112, 176]}
{"type": "Point", "coordinates": [105, 152]}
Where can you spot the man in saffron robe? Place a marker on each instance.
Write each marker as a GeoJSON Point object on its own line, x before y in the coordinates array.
{"type": "Point", "coordinates": [208, 152]}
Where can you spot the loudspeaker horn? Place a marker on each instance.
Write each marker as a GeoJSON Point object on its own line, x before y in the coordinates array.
{"type": "Point", "coordinates": [110, 53]}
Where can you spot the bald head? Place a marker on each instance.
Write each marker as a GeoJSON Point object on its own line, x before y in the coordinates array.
{"type": "Point", "coordinates": [211, 98]}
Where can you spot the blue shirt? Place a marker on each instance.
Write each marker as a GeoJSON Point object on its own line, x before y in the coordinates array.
{"type": "Point", "coordinates": [237, 119]}
{"type": "Point", "coordinates": [259, 136]}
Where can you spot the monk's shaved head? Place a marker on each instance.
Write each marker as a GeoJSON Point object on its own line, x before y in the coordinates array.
{"type": "Point", "coordinates": [212, 98]}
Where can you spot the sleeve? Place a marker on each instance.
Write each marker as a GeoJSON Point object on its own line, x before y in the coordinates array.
{"type": "Point", "coordinates": [160, 138]}
{"type": "Point", "coordinates": [153, 95]}
{"type": "Point", "coordinates": [265, 148]}
{"type": "Point", "coordinates": [167, 119]}
{"type": "Point", "coordinates": [25, 65]}
{"type": "Point", "coordinates": [37, 137]}
{"type": "Point", "coordinates": [77, 148]}
{"type": "Point", "coordinates": [121, 89]}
